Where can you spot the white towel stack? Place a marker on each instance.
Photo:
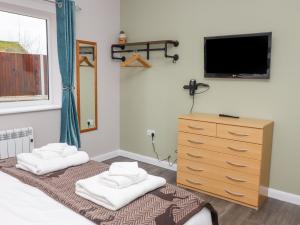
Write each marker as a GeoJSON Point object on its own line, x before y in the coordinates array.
{"type": "Point", "coordinates": [50, 158]}
{"type": "Point", "coordinates": [55, 150]}
{"type": "Point", "coordinates": [122, 175]}
{"type": "Point", "coordinates": [121, 184]}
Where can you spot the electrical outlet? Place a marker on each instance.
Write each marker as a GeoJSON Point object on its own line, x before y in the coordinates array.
{"type": "Point", "coordinates": [90, 122]}
{"type": "Point", "coordinates": [150, 132]}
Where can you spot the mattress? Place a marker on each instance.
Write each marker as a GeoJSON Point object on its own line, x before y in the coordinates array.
{"type": "Point", "coordinates": [21, 204]}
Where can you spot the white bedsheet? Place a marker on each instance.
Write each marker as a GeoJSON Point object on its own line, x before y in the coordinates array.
{"type": "Point", "coordinates": [21, 204]}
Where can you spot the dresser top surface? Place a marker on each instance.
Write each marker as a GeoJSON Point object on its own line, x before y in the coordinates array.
{"type": "Point", "coordinates": [213, 118]}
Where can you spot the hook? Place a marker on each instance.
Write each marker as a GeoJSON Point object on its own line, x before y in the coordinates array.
{"type": "Point", "coordinates": [175, 58]}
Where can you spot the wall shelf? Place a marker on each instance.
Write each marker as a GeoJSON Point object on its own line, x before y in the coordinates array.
{"type": "Point", "coordinates": [129, 47]}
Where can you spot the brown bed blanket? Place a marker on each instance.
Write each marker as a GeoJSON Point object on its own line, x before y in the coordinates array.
{"type": "Point", "coordinates": [168, 205]}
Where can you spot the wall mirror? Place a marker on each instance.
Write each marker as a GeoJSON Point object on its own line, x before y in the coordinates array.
{"type": "Point", "coordinates": [86, 60]}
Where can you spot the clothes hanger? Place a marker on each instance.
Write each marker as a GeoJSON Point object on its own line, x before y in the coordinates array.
{"type": "Point", "coordinates": [136, 57]}
{"type": "Point", "coordinates": [86, 60]}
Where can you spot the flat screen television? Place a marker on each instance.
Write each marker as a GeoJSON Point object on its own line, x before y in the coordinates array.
{"type": "Point", "coordinates": [238, 56]}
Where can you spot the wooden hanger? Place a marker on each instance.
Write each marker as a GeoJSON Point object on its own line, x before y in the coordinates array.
{"type": "Point", "coordinates": [136, 57]}
{"type": "Point", "coordinates": [86, 60]}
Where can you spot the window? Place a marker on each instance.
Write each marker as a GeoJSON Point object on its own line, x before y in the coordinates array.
{"type": "Point", "coordinates": [24, 73]}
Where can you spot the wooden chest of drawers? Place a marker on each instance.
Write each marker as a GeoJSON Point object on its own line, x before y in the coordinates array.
{"type": "Point", "coordinates": [225, 157]}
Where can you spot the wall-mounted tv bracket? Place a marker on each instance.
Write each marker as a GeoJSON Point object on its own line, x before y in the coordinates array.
{"type": "Point", "coordinates": [133, 47]}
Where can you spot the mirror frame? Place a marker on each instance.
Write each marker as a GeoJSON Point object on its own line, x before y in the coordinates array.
{"type": "Point", "coordinates": [94, 44]}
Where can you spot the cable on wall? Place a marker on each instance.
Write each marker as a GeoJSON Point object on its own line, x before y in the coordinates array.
{"type": "Point", "coordinates": [192, 87]}
{"type": "Point", "coordinates": [167, 159]}
{"type": "Point", "coordinates": [193, 98]}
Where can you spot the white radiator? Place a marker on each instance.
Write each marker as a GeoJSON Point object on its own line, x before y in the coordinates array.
{"type": "Point", "coordinates": [15, 141]}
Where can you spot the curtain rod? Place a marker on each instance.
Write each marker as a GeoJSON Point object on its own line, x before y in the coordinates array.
{"type": "Point", "coordinates": [60, 4]}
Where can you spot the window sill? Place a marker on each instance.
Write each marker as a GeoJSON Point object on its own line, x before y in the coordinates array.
{"type": "Point", "coordinates": [26, 109]}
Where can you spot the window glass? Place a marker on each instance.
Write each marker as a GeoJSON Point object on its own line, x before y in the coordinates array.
{"type": "Point", "coordinates": [23, 58]}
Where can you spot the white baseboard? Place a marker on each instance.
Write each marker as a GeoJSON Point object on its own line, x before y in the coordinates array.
{"type": "Point", "coordinates": [106, 156]}
{"type": "Point", "coordinates": [272, 193]}
{"type": "Point", "coordinates": [147, 159]}
{"type": "Point", "coordinates": [134, 156]}
{"type": "Point", "coordinates": [284, 196]}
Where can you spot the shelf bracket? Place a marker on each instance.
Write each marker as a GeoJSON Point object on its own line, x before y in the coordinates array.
{"type": "Point", "coordinates": [174, 57]}
{"type": "Point", "coordinates": [121, 49]}
{"type": "Point", "coordinates": [123, 58]}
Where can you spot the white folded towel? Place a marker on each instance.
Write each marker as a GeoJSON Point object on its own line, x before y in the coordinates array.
{"type": "Point", "coordinates": [70, 150]}
{"type": "Point", "coordinates": [55, 150]}
{"type": "Point", "coordinates": [45, 154]}
{"type": "Point", "coordinates": [34, 164]}
{"type": "Point", "coordinates": [122, 181]}
{"type": "Point", "coordinates": [124, 169]}
{"type": "Point", "coordinates": [112, 198]}
{"type": "Point", "coordinates": [55, 147]}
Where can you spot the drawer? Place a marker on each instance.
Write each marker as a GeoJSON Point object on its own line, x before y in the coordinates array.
{"type": "Point", "coordinates": [241, 149]}
{"type": "Point", "coordinates": [198, 127]}
{"type": "Point", "coordinates": [229, 191]}
{"type": "Point", "coordinates": [195, 140]}
{"type": "Point", "coordinates": [238, 148]}
{"type": "Point", "coordinates": [243, 165]}
{"type": "Point", "coordinates": [246, 134]}
{"type": "Point", "coordinates": [217, 173]}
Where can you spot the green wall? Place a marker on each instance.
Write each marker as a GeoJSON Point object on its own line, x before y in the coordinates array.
{"type": "Point", "coordinates": [153, 98]}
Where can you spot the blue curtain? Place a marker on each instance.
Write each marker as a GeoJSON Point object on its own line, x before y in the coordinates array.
{"type": "Point", "coordinates": [65, 15]}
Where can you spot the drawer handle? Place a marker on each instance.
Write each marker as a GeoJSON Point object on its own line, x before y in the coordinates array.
{"type": "Point", "coordinates": [193, 182]}
{"type": "Point", "coordinates": [195, 142]}
{"type": "Point", "coordinates": [237, 150]}
{"type": "Point", "coordinates": [195, 128]}
{"type": "Point", "coordinates": [236, 134]}
{"type": "Point", "coordinates": [235, 179]}
{"type": "Point", "coordinates": [234, 194]}
{"type": "Point", "coordinates": [193, 169]}
{"type": "Point", "coordinates": [235, 164]}
{"type": "Point", "coordinates": [194, 156]}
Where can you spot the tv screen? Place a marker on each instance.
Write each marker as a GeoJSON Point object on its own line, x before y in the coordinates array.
{"type": "Point", "coordinates": [238, 56]}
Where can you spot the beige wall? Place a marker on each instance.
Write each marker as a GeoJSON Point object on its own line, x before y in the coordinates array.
{"type": "Point", "coordinates": [154, 98]}
{"type": "Point", "coordinates": [91, 25]}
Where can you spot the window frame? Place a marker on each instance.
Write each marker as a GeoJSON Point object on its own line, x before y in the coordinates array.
{"type": "Point", "coordinates": [54, 78]}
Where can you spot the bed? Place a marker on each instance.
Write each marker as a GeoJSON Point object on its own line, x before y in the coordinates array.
{"type": "Point", "coordinates": [22, 204]}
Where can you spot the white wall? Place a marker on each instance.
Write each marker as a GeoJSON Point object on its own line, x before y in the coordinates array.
{"type": "Point", "coordinates": [98, 21]}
